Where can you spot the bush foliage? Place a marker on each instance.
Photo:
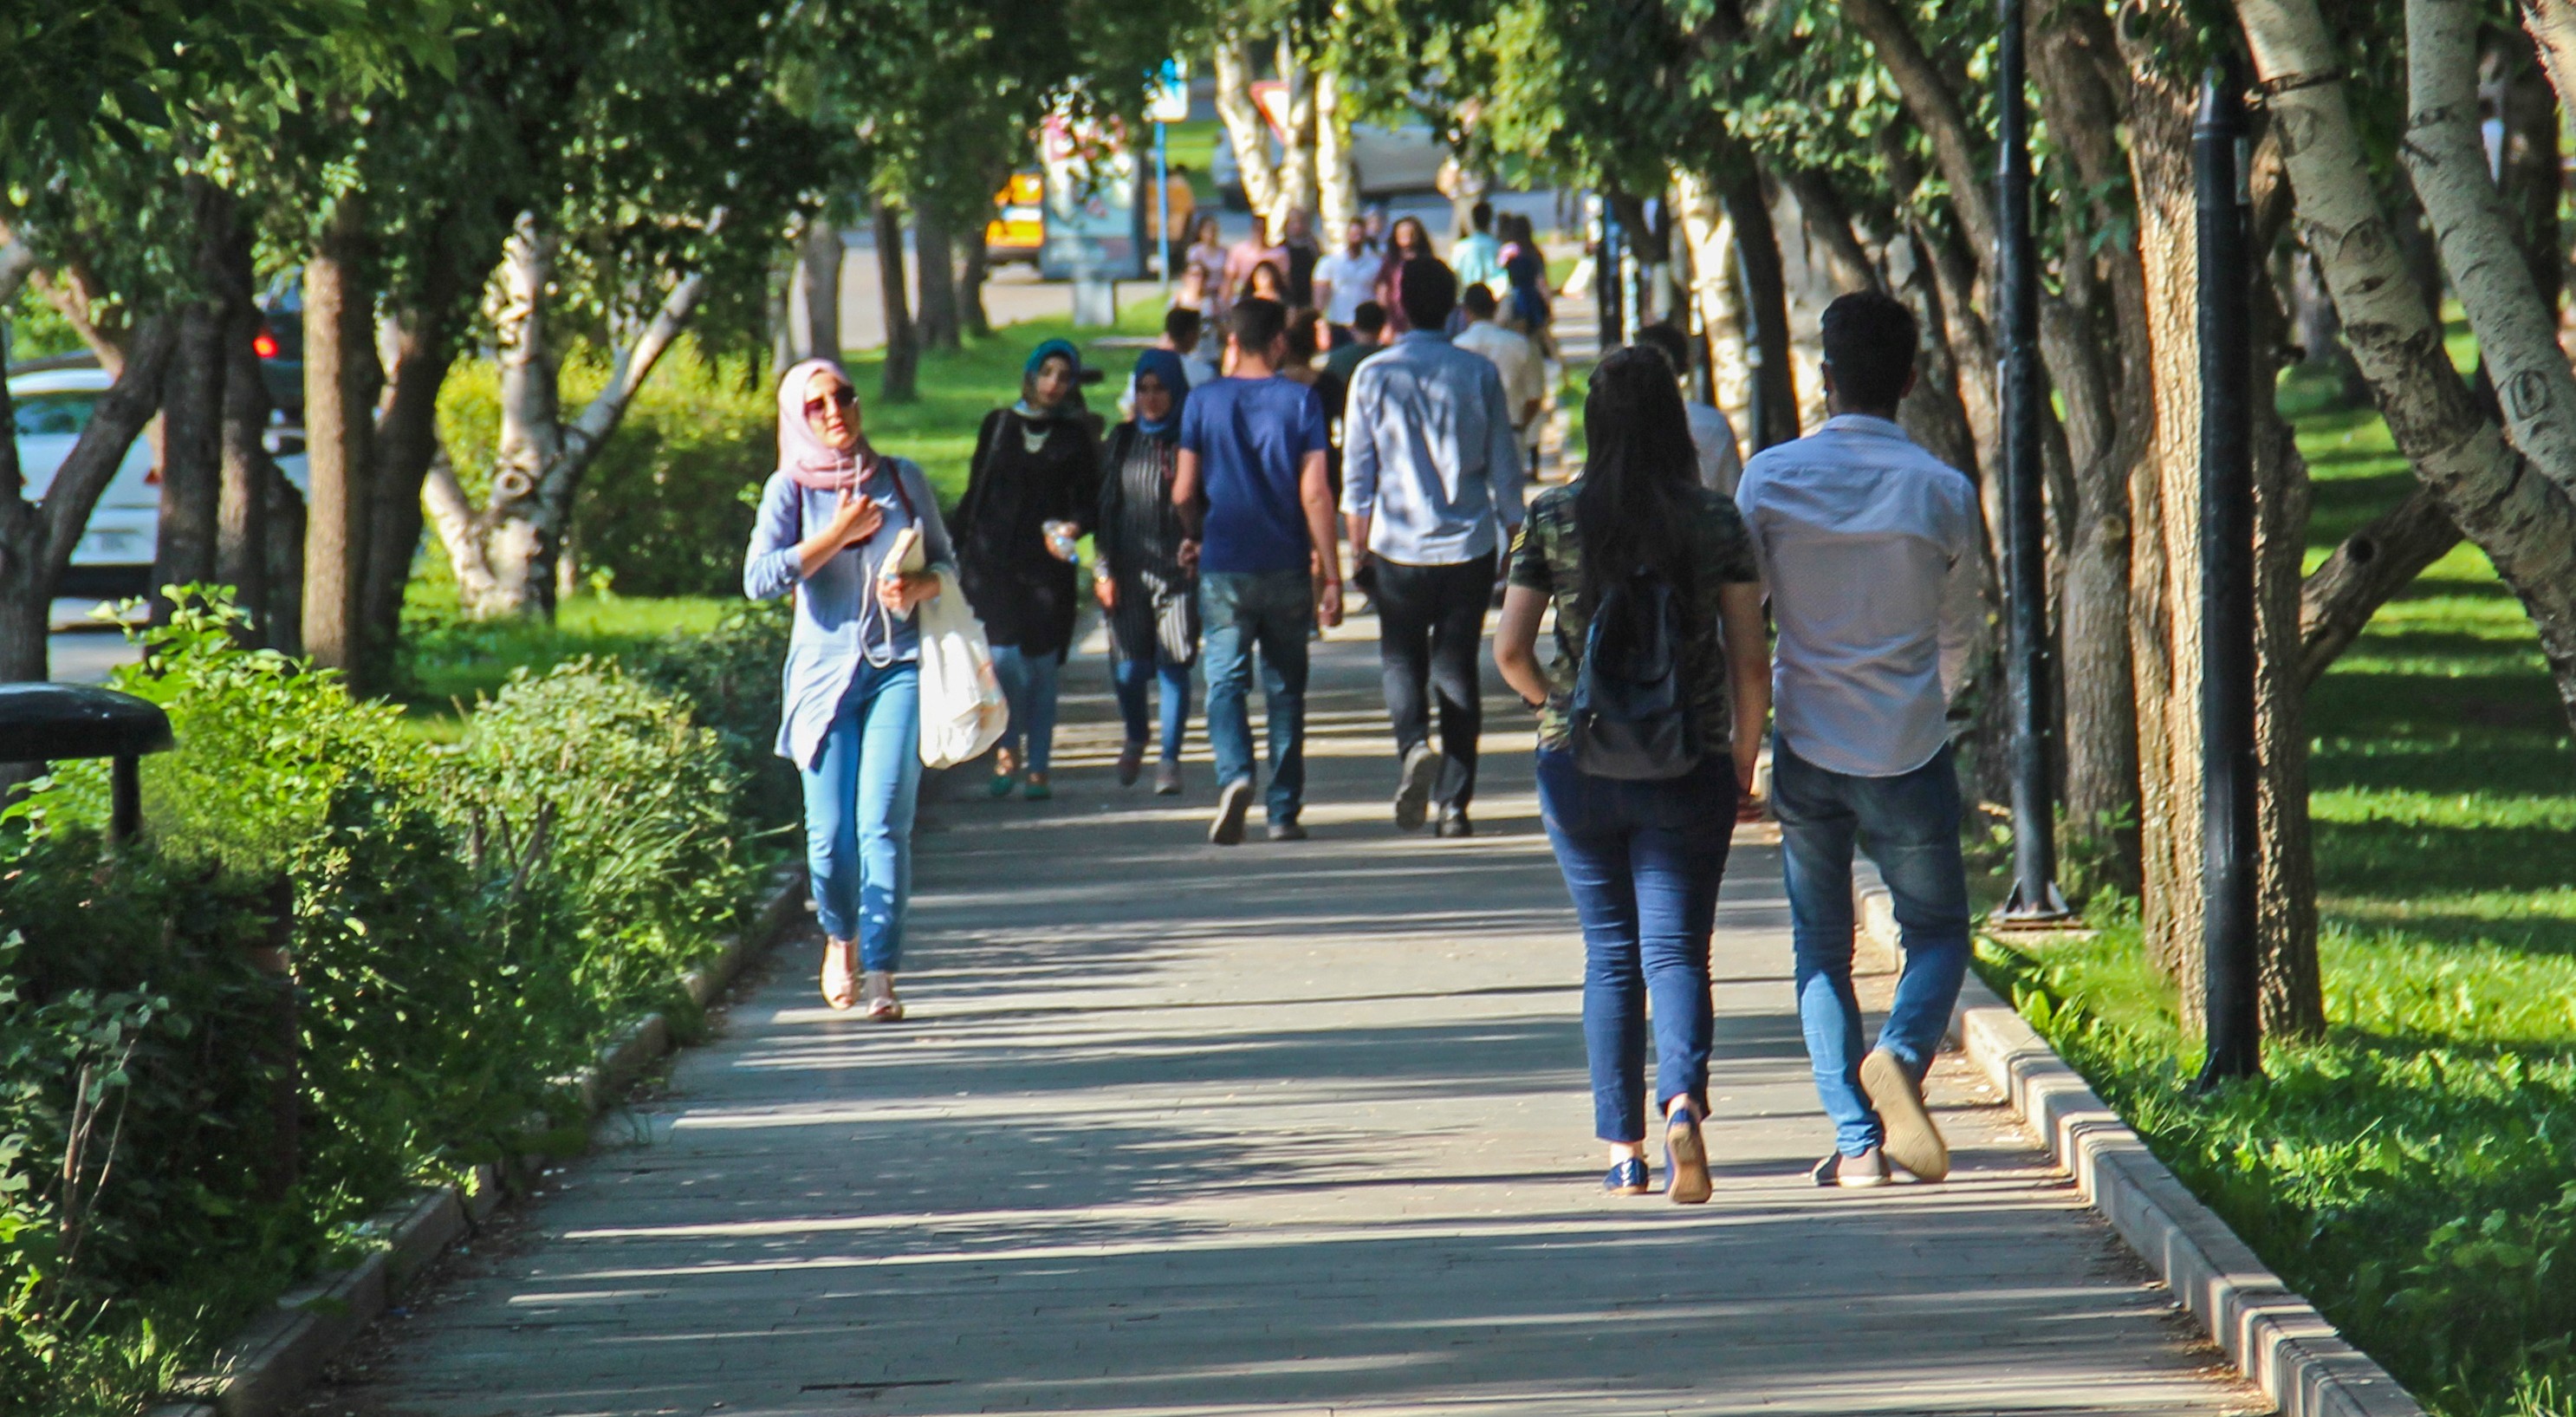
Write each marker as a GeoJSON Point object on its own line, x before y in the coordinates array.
{"type": "Point", "coordinates": [342, 960]}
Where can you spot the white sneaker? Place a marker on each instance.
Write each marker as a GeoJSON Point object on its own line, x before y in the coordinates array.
{"type": "Point", "coordinates": [1852, 1172]}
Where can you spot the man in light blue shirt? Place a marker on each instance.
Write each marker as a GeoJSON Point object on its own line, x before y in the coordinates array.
{"type": "Point", "coordinates": [1478, 257]}
{"type": "Point", "coordinates": [1870, 548]}
{"type": "Point", "coordinates": [1431, 488]}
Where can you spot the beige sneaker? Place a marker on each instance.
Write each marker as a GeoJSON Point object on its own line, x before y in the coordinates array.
{"type": "Point", "coordinates": [837, 990]}
{"type": "Point", "coordinates": [1913, 1142]}
{"type": "Point", "coordinates": [883, 1006]}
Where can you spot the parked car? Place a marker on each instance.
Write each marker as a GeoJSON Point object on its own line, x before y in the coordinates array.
{"type": "Point", "coordinates": [1017, 231]}
{"type": "Point", "coordinates": [53, 400]}
{"type": "Point", "coordinates": [1387, 162]}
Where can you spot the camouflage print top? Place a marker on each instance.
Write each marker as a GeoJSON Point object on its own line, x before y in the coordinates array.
{"type": "Point", "coordinates": [1548, 557]}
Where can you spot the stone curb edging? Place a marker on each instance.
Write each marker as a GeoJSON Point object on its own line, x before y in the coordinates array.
{"type": "Point", "coordinates": [2272, 1334]}
{"type": "Point", "coordinates": [280, 1354]}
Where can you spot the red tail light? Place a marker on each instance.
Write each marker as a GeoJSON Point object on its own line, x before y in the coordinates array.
{"type": "Point", "coordinates": [264, 345]}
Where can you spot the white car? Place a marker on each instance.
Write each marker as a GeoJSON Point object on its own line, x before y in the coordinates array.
{"type": "Point", "coordinates": [114, 555]}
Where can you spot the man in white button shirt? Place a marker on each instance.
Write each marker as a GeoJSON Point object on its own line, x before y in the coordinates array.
{"type": "Point", "coordinates": [1345, 278]}
{"type": "Point", "coordinates": [1869, 548]}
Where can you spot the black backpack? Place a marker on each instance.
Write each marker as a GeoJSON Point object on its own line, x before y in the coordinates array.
{"type": "Point", "coordinates": [1630, 713]}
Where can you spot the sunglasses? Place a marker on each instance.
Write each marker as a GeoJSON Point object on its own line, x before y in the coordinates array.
{"type": "Point", "coordinates": [842, 396]}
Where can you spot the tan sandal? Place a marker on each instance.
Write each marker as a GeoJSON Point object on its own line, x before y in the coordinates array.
{"type": "Point", "coordinates": [883, 1006]}
{"type": "Point", "coordinates": [839, 988]}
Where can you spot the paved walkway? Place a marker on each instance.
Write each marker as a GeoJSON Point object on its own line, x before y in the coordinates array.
{"type": "Point", "coordinates": [1278, 1129]}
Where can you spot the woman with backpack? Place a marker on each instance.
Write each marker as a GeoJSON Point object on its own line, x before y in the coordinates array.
{"type": "Point", "coordinates": [1649, 723]}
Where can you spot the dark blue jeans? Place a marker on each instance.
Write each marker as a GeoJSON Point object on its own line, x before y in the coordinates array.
{"type": "Point", "coordinates": [1642, 861]}
{"type": "Point", "coordinates": [1272, 611]}
{"type": "Point", "coordinates": [1909, 825]}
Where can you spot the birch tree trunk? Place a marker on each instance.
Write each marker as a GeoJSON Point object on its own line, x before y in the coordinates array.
{"type": "Point", "coordinates": [1245, 129]}
{"type": "Point", "coordinates": [1711, 238]}
{"type": "Point", "coordinates": [2552, 26]}
{"type": "Point", "coordinates": [1337, 179]}
{"type": "Point", "coordinates": [1297, 151]}
{"type": "Point", "coordinates": [2480, 239]}
{"type": "Point", "coordinates": [2525, 523]}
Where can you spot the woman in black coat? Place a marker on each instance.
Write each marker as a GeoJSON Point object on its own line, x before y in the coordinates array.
{"type": "Point", "coordinates": [1032, 492]}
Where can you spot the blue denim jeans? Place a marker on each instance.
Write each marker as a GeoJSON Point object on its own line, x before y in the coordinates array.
{"type": "Point", "coordinates": [1909, 825]}
{"type": "Point", "coordinates": [1274, 611]}
{"type": "Point", "coordinates": [1130, 677]}
{"type": "Point", "coordinates": [1029, 684]}
{"type": "Point", "coordinates": [1642, 861]}
{"type": "Point", "coordinates": [859, 797]}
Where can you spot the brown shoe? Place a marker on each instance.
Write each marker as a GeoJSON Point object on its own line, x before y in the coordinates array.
{"type": "Point", "coordinates": [883, 1006]}
{"type": "Point", "coordinates": [839, 989]}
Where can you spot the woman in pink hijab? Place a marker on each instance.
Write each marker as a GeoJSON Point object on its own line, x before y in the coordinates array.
{"type": "Point", "coordinates": [850, 717]}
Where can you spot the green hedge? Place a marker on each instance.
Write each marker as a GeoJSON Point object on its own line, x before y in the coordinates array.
{"type": "Point", "coordinates": [462, 923]}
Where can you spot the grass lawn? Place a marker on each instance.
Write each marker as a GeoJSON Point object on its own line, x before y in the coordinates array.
{"type": "Point", "coordinates": [2410, 1172]}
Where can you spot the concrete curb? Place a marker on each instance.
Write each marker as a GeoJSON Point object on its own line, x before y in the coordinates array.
{"type": "Point", "coordinates": [278, 1355]}
{"type": "Point", "coordinates": [2273, 1335]}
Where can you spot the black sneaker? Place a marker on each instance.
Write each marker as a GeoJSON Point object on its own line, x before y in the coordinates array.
{"type": "Point", "coordinates": [1232, 803]}
{"type": "Point", "coordinates": [1454, 823]}
{"type": "Point", "coordinates": [1287, 831]}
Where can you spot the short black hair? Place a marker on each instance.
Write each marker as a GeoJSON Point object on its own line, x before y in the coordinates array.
{"type": "Point", "coordinates": [1369, 318]}
{"type": "Point", "coordinates": [1481, 215]}
{"type": "Point", "coordinates": [1869, 339]}
{"type": "Point", "coordinates": [1666, 339]}
{"type": "Point", "coordinates": [1182, 323]}
{"type": "Point", "coordinates": [1478, 301]}
{"type": "Point", "coordinates": [1428, 290]}
{"type": "Point", "coordinates": [1255, 322]}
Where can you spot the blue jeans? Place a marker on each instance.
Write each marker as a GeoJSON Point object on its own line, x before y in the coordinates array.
{"type": "Point", "coordinates": [859, 796]}
{"type": "Point", "coordinates": [1642, 861]}
{"type": "Point", "coordinates": [1274, 610]}
{"type": "Point", "coordinates": [1130, 676]}
{"type": "Point", "coordinates": [1909, 824]}
{"type": "Point", "coordinates": [1029, 683]}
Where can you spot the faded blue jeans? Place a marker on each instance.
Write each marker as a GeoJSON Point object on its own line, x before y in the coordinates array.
{"type": "Point", "coordinates": [859, 796]}
{"type": "Point", "coordinates": [1132, 677]}
{"type": "Point", "coordinates": [1029, 683]}
{"type": "Point", "coordinates": [1909, 825]}
{"type": "Point", "coordinates": [1642, 861]}
{"type": "Point", "coordinates": [1273, 611]}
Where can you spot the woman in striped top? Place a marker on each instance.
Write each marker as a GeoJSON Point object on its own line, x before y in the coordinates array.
{"type": "Point", "coordinates": [1150, 599]}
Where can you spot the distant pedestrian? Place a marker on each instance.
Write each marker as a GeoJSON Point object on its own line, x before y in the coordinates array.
{"type": "Point", "coordinates": [1347, 278]}
{"type": "Point", "coordinates": [1182, 200]}
{"type": "Point", "coordinates": [1478, 257]}
{"type": "Point", "coordinates": [1525, 308]}
{"type": "Point", "coordinates": [1181, 336]}
{"type": "Point", "coordinates": [1300, 253]}
{"type": "Point", "coordinates": [1207, 258]}
{"type": "Point", "coordinates": [1032, 490]}
{"type": "Point", "coordinates": [1517, 360]}
{"type": "Point", "coordinates": [1869, 545]}
{"type": "Point", "coordinates": [1648, 725]}
{"type": "Point", "coordinates": [850, 721]}
{"type": "Point", "coordinates": [1147, 594]}
{"type": "Point", "coordinates": [1407, 240]}
{"type": "Point", "coordinates": [1266, 283]}
{"type": "Point", "coordinates": [1721, 463]}
{"type": "Point", "coordinates": [1256, 249]}
{"type": "Point", "coordinates": [1367, 337]}
{"type": "Point", "coordinates": [1432, 491]}
{"type": "Point", "coordinates": [1253, 486]}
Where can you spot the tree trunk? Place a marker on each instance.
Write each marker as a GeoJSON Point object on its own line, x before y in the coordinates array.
{"type": "Point", "coordinates": [192, 451]}
{"type": "Point", "coordinates": [2525, 523]}
{"type": "Point", "coordinates": [1828, 220]}
{"type": "Point", "coordinates": [241, 523]}
{"type": "Point", "coordinates": [1297, 164]}
{"type": "Point", "coordinates": [36, 539]}
{"type": "Point", "coordinates": [2552, 26]}
{"type": "Point", "coordinates": [972, 318]}
{"type": "Point", "coordinates": [936, 256]}
{"type": "Point", "coordinates": [1757, 248]}
{"type": "Point", "coordinates": [287, 530]}
{"type": "Point", "coordinates": [1711, 238]}
{"type": "Point", "coordinates": [423, 347]}
{"type": "Point", "coordinates": [817, 285]}
{"type": "Point", "coordinates": [2531, 176]}
{"type": "Point", "coordinates": [2481, 240]}
{"type": "Point", "coordinates": [2373, 564]}
{"type": "Point", "coordinates": [1337, 178]}
{"type": "Point", "coordinates": [902, 347]}
{"type": "Point", "coordinates": [1245, 129]}
{"type": "Point", "coordinates": [340, 380]}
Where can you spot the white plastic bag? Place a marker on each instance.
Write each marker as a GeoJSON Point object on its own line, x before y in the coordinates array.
{"type": "Point", "coordinates": [962, 708]}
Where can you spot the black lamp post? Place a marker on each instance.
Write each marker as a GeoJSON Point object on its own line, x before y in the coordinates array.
{"type": "Point", "coordinates": [2035, 900]}
{"type": "Point", "coordinates": [42, 723]}
{"type": "Point", "coordinates": [2228, 833]}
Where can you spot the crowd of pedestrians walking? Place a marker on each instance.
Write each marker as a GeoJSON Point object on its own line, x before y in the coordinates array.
{"type": "Point", "coordinates": [1374, 403]}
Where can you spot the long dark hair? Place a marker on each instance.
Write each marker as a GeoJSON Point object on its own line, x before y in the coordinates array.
{"type": "Point", "coordinates": [1632, 509]}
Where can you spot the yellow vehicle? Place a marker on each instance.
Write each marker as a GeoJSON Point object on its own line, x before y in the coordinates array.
{"type": "Point", "coordinates": [1018, 227]}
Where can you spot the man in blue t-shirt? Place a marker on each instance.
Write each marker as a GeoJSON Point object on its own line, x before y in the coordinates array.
{"type": "Point", "coordinates": [1252, 487]}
